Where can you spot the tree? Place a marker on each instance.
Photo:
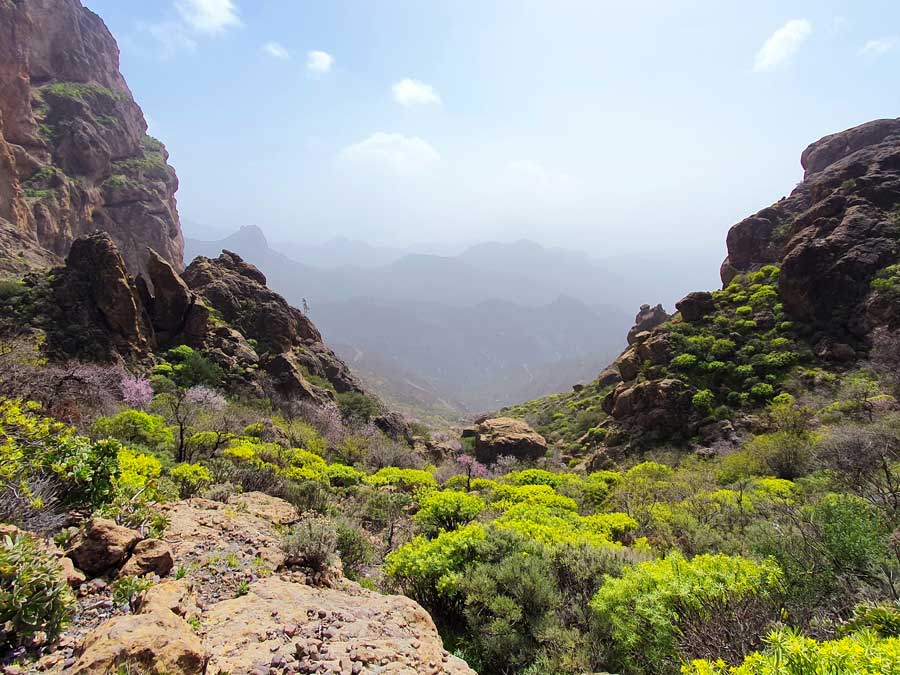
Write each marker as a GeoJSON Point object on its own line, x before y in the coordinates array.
{"type": "Point", "coordinates": [183, 408]}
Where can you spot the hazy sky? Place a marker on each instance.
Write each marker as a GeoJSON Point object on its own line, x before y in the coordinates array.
{"type": "Point", "coordinates": [606, 126]}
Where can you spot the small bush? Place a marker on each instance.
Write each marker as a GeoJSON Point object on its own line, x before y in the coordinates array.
{"type": "Point", "coordinates": [311, 543]}
{"type": "Point", "coordinates": [34, 596]}
{"type": "Point", "coordinates": [447, 510]}
{"type": "Point", "coordinates": [355, 549]}
{"type": "Point", "coordinates": [125, 590]}
{"type": "Point", "coordinates": [190, 478]}
{"type": "Point", "coordinates": [358, 408]}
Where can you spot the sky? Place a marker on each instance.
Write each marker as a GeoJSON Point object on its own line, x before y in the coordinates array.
{"type": "Point", "coordinates": [610, 127]}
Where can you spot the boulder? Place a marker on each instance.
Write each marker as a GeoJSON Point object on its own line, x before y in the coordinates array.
{"type": "Point", "coordinates": [101, 545]}
{"type": "Point", "coordinates": [178, 596]}
{"type": "Point", "coordinates": [261, 505]}
{"type": "Point", "coordinates": [628, 364]}
{"type": "Point", "coordinates": [647, 319]}
{"type": "Point", "coordinates": [658, 407]}
{"type": "Point", "coordinates": [156, 640]}
{"type": "Point", "coordinates": [507, 436]}
{"type": "Point", "coordinates": [609, 376]}
{"type": "Point", "coordinates": [339, 631]}
{"type": "Point", "coordinates": [149, 556]}
{"type": "Point", "coordinates": [395, 426]}
{"type": "Point", "coordinates": [694, 306]}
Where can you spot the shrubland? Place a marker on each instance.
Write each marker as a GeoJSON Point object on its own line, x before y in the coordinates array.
{"type": "Point", "coordinates": [785, 550]}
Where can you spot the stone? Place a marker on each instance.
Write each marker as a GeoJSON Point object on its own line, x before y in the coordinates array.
{"type": "Point", "coordinates": [149, 556]}
{"type": "Point", "coordinates": [155, 641]}
{"type": "Point", "coordinates": [178, 596]}
{"type": "Point", "coordinates": [101, 545]}
{"type": "Point", "coordinates": [392, 631]}
{"type": "Point", "coordinates": [172, 299]}
{"type": "Point", "coordinates": [507, 436]}
{"type": "Point", "coordinates": [694, 306]}
{"type": "Point", "coordinates": [647, 319]}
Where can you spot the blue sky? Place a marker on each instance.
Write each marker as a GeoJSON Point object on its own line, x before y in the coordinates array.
{"type": "Point", "coordinates": [612, 127]}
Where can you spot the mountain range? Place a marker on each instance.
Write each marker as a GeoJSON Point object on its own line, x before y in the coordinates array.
{"type": "Point", "coordinates": [541, 317]}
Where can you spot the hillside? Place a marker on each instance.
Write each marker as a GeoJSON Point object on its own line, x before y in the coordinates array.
{"type": "Point", "coordinates": [193, 482]}
{"type": "Point", "coordinates": [409, 327]}
{"type": "Point", "coordinates": [808, 289]}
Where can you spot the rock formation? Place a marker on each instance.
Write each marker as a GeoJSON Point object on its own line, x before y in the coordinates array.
{"type": "Point", "coordinates": [506, 436]}
{"type": "Point", "coordinates": [91, 308]}
{"type": "Point", "coordinates": [836, 230]}
{"type": "Point", "coordinates": [74, 153]}
{"type": "Point", "coordinates": [277, 623]}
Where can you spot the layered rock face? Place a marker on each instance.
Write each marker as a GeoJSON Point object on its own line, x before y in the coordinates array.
{"type": "Point", "coordinates": [74, 153]}
{"type": "Point", "coordinates": [836, 230]}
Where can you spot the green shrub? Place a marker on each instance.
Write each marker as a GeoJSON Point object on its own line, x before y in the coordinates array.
{"type": "Point", "coordinates": [341, 475]}
{"type": "Point", "coordinates": [311, 543]}
{"type": "Point", "coordinates": [358, 408]}
{"type": "Point", "coordinates": [790, 653]}
{"type": "Point", "coordinates": [34, 595]}
{"type": "Point", "coordinates": [125, 590]}
{"type": "Point", "coordinates": [408, 480]}
{"type": "Point", "coordinates": [354, 548]}
{"type": "Point", "coordinates": [190, 368]}
{"type": "Point", "coordinates": [645, 612]}
{"type": "Point", "coordinates": [135, 427]}
{"type": "Point", "coordinates": [190, 478]}
{"type": "Point", "coordinates": [446, 510]}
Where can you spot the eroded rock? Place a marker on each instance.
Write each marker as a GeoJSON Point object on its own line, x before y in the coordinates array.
{"type": "Point", "coordinates": [507, 436]}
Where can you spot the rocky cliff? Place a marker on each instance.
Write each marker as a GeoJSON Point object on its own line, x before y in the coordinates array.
{"type": "Point", "coordinates": [808, 282]}
{"type": "Point", "coordinates": [74, 151]}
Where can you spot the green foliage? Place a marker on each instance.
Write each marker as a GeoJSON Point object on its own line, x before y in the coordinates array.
{"type": "Point", "coordinates": [125, 590]}
{"type": "Point", "coordinates": [358, 408]}
{"type": "Point", "coordinates": [446, 510]}
{"type": "Point", "coordinates": [431, 570]}
{"type": "Point", "coordinates": [341, 475]}
{"type": "Point", "coordinates": [85, 92]}
{"type": "Point", "coordinates": [790, 653]}
{"type": "Point", "coordinates": [34, 595]}
{"type": "Point", "coordinates": [644, 612]}
{"type": "Point", "coordinates": [34, 447]}
{"type": "Point", "coordinates": [354, 548]}
{"type": "Point", "coordinates": [190, 478]}
{"type": "Point", "coordinates": [188, 368]}
{"type": "Point", "coordinates": [135, 427]}
{"type": "Point", "coordinates": [311, 543]}
{"type": "Point", "coordinates": [887, 281]}
{"type": "Point", "coordinates": [408, 480]}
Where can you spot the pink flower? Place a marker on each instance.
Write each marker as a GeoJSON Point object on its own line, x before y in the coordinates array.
{"type": "Point", "coordinates": [136, 391]}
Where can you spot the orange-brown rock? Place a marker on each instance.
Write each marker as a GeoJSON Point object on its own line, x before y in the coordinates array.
{"type": "Point", "coordinates": [74, 154]}
{"type": "Point", "coordinates": [498, 436]}
{"type": "Point", "coordinates": [101, 545]}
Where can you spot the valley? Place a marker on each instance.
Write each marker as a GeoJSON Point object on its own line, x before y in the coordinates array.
{"type": "Point", "coordinates": [233, 457]}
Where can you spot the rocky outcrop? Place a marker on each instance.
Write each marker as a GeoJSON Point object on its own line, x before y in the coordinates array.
{"type": "Point", "coordinates": [290, 347]}
{"type": "Point", "coordinates": [659, 408]}
{"type": "Point", "coordinates": [150, 556]}
{"type": "Point", "coordinates": [101, 545]}
{"type": "Point", "coordinates": [74, 153]}
{"type": "Point", "coordinates": [499, 436]}
{"type": "Point", "coordinates": [276, 622]}
{"type": "Point", "coordinates": [92, 309]}
{"type": "Point", "coordinates": [694, 306]}
{"type": "Point", "coordinates": [836, 230]}
{"type": "Point", "coordinates": [155, 639]}
{"type": "Point", "coordinates": [647, 319]}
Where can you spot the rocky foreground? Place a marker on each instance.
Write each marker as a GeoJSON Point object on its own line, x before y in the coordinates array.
{"type": "Point", "coordinates": [225, 602]}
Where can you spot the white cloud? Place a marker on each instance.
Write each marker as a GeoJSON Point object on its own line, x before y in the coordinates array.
{"type": "Point", "coordinates": [209, 16]}
{"type": "Point", "coordinates": [409, 92]}
{"type": "Point", "coordinates": [879, 47]}
{"type": "Point", "coordinates": [391, 151]}
{"type": "Point", "coordinates": [171, 38]}
{"type": "Point", "coordinates": [319, 62]}
{"type": "Point", "coordinates": [782, 45]}
{"type": "Point", "coordinates": [276, 50]}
